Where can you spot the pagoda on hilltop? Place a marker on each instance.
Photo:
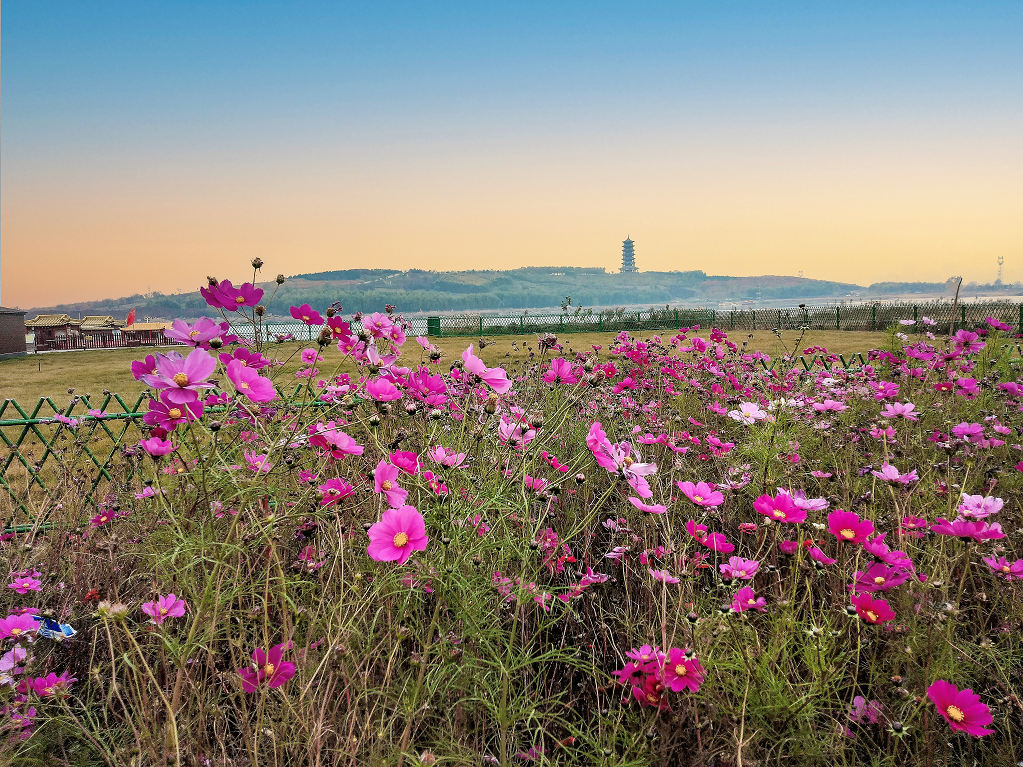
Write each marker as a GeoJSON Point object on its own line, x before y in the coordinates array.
{"type": "Point", "coordinates": [628, 256]}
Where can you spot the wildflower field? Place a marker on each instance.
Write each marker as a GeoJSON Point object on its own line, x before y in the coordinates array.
{"type": "Point", "coordinates": [648, 552]}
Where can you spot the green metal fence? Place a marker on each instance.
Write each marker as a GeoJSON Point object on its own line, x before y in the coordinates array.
{"type": "Point", "coordinates": [940, 317]}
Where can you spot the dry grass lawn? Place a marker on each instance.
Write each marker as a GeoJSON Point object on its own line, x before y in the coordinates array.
{"type": "Point", "coordinates": [91, 372]}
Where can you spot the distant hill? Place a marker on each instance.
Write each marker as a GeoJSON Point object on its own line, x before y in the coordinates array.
{"type": "Point", "coordinates": [418, 290]}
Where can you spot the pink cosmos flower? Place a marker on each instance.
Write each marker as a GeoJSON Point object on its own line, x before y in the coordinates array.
{"type": "Point", "coordinates": [1003, 568]}
{"type": "Point", "coordinates": [156, 446]}
{"type": "Point", "coordinates": [962, 709]}
{"type": "Point", "coordinates": [701, 493]}
{"type": "Point", "coordinates": [748, 413]}
{"type": "Point", "coordinates": [399, 532]}
{"type": "Point", "coordinates": [663, 576]}
{"type": "Point", "coordinates": [382, 390]}
{"type": "Point", "coordinates": [385, 480]}
{"type": "Point", "coordinates": [333, 490]}
{"type": "Point", "coordinates": [405, 460]}
{"type": "Point", "coordinates": [52, 685]}
{"type": "Point", "coordinates": [168, 606]}
{"type": "Point", "coordinates": [16, 626]}
{"type": "Point", "coordinates": [305, 313]}
{"type": "Point", "coordinates": [181, 378]}
{"type": "Point", "coordinates": [167, 415]}
{"type": "Point", "coordinates": [848, 527]}
{"type": "Point", "coordinates": [745, 600]}
{"type": "Point", "coordinates": [250, 383]}
{"type": "Point", "coordinates": [964, 528]}
{"type": "Point", "coordinates": [495, 378]}
{"type": "Point", "coordinates": [329, 437]}
{"type": "Point", "coordinates": [905, 410]}
{"type": "Point", "coordinates": [438, 454]}
{"type": "Point", "coordinates": [780, 508]}
{"type": "Point", "coordinates": [561, 371]}
{"type": "Point", "coordinates": [23, 585]}
{"type": "Point", "coordinates": [650, 508]}
{"type": "Point", "coordinates": [197, 334]}
{"type": "Point", "coordinates": [890, 474]}
{"type": "Point", "coordinates": [713, 541]}
{"type": "Point", "coordinates": [879, 577]}
{"type": "Point", "coordinates": [226, 296]}
{"type": "Point", "coordinates": [267, 667]}
{"type": "Point", "coordinates": [979, 506]}
{"type": "Point", "coordinates": [739, 568]}
{"type": "Point", "coordinates": [872, 610]}
{"type": "Point", "coordinates": [258, 462]}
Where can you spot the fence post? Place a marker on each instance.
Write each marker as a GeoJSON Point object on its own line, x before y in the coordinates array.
{"type": "Point", "coordinates": [779, 319]}
{"type": "Point", "coordinates": [963, 324]}
{"type": "Point", "coordinates": [522, 326]}
{"type": "Point", "coordinates": [481, 324]}
{"type": "Point", "coordinates": [731, 317]}
{"type": "Point", "coordinates": [600, 319]}
{"type": "Point", "coordinates": [676, 320]}
{"type": "Point", "coordinates": [838, 318]}
{"type": "Point", "coordinates": [873, 317]}
{"type": "Point", "coordinates": [1020, 318]}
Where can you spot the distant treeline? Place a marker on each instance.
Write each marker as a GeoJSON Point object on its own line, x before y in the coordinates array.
{"type": "Point", "coordinates": [418, 290]}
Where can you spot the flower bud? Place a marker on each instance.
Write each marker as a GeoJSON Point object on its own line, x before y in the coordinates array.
{"type": "Point", "coordinates": [257, 263]}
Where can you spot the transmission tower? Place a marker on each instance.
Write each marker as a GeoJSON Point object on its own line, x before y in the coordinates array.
{"type": "Point", "coordinates": [1001, 264]}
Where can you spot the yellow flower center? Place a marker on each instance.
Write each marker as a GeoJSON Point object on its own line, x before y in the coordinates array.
{"type": "Point", "coordinates": [193, 334]}
{"type": "Point", "coordinates": [174, 412]}
{"type": "Point", "coordinates": [847, 533]}
{"type": "Point", "coordinates": [386, 485]}
{"type": "Point", "coordinates": [651, 698]}
{"type": "Point", "coordinates": [629, 461]}
{"type": "Point", "coordinates": [879, 580]}
{"type": "Point", "coordinates": [163, 611]}
{"type": "Point", "coordinates": [778, 514]}
{"type": "Point", "coordinates": [244, 385]}
{"type": "Point", "coordinates": [680, 670]}
{"type": "Point", "coordinates": [955, 713]}
{"type": "Point", "coordinates": [871, 616]}
{"type": "Point", "coordinates": [240, 300]}
{"type": "Point", "coordinates": [1005, 568]}
{"type": "Point", "coordinates": [48, 690]}
{"type": "Point", "coordinates": [269, 669]}
{"type": "Point", "coordinates": [181, 379]}
{"type": "Point", "coordinates": [305, 317]}
{"type": "Point", "coordinates": [15, 632]}
{"type": "Point", "coordinates": [401, 540]}
{"type": "Point", "coordinates": [697, 498]}
{"type": "Point", "coordinates": [751, 601]}
{"type": "Point", "coordinates": [740, 572]}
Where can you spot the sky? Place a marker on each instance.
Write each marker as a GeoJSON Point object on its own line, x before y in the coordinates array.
{"type": "Point", "coordinates": [146, 144]}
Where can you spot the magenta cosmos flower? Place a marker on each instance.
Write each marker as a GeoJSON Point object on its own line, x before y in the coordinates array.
{"type": "Point", "coordinates": [650, 508]}
{"type": "Point", "coordinates": [250, 383]}
{"type": "Point", "coordinates": [52, 684]}
{"type": "Point", "coordinates": [561, 371]}
{"type": "Point", "coordinates": [267, 667]}
{"type": "Point", "coordinates": [333, 490]}
{"type": "Point", "coordinates": [701, 493]}
{"type": "Point", "coordinates": [745, 600]}
{"type": "Point", "coordinates": [682, 671]}
{"type": "Point", "coordinates": [847, 526]}
{"type": "Point", "coordinates": [872, 610]}
{"type": "Point", "coordinates": [168, 606]}
{"type": "Point", "coordinates": [305, 313]}
{"type": "Point", "coordinates": [382, 390]}
{"type": "Point", "coordinates": [962, 709]}
{"type": "Point", "coordinates": [224, 295]}
{"type": "Point", "coordinates": [204, 329]}
{"type": "Point", "coordinates": [780, 508]}
{"type": "Point", "coordinates": [16, 626]}
{"type": "Point", "coordinates": [399, 532]}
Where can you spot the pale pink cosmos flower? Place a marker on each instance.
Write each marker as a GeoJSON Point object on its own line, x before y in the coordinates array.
{"type": "Point", "coordinates": [650, 508]}
{"type": "Point", "coordinates": [890, 474]}
{"type": "Point", "coordinates": [905, 410]}
{"type": "Point", "coordinates": [663, 576]}
{"type": "Point", "coordinates": [979, 506]}
{"type": "Point", "coordinates": [739, 568]}
{"type": "Point", "coordinates": [702, 493]}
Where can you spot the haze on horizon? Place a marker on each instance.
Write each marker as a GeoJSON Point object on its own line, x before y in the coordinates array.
{"type": "Point", "coordinates": [147, 144]}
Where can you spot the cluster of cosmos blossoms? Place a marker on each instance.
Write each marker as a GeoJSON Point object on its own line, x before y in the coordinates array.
{"type": "Point", "coordinates": [676, 504]}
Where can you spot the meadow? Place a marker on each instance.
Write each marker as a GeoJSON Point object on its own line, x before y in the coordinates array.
{"type": "Point", "coordinates": [607, 550]}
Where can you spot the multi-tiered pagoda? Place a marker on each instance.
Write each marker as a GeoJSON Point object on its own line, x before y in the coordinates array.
{"type": "Point", "coordinates": [628, 256]}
